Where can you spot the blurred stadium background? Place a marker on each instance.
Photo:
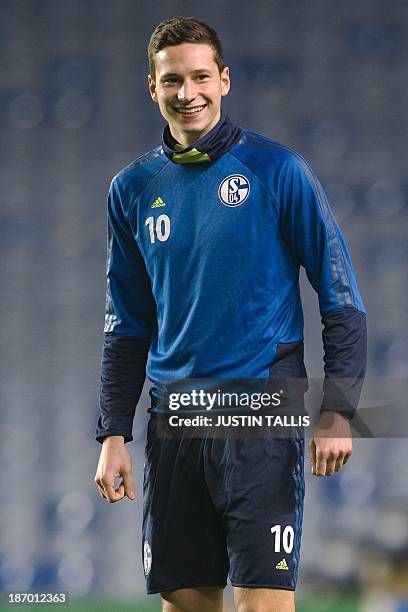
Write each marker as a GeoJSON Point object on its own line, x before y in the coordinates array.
{"type": "Point", "coordinates": [326, 78]}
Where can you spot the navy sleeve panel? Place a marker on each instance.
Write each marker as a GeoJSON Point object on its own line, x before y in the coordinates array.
{"type": "Point", "coordinates": [345, 360]}
{"type": "Point", "coordinates": [122, 376]}
{"type": "Point", "coordinates": [130, 308]}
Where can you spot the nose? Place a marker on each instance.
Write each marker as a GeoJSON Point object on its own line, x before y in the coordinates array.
{"type": "Point", "coordinates": [186, 93]}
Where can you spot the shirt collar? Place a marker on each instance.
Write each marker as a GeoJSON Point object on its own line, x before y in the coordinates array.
{"type": "Point", "coordinates": [215, 143]}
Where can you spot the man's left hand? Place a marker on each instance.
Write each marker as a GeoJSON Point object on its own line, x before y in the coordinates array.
{"type": "Point", "coordinates": [331, 445]}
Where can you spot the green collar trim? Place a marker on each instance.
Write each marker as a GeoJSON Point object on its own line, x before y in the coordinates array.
{"type": "Point", "coordinates": [193, 156]}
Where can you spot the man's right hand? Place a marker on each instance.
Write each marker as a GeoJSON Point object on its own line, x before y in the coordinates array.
{"type": "Point", "coordinates": [115, 462]}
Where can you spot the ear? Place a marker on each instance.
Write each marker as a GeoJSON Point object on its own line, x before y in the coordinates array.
{"type": "Point", "coordinates": [152, 87]}
{"type": "Point", "coordinates": [225, 81]}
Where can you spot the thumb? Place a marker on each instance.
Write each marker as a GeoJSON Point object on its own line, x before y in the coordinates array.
{"type": "Point", "coordinates": [128, 484]}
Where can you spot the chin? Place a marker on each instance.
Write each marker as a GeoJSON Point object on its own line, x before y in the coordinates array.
{"type": "Point", "coordinates": [194, 127]}
{"type": "Point", "coordinates": [202, 124]}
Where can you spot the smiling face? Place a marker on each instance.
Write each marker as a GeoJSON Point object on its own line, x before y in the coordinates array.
{"type": "Point", "coordinates": [188, 87]}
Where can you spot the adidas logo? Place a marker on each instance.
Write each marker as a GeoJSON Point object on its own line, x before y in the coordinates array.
{"type": "Point", "coordinates": [282, 565]}
{"type": "Point", "coordinates": [158, 203]}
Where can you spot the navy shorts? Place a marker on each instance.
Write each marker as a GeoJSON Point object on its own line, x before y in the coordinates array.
{"type": "Point", "coordinates": [222, 507]}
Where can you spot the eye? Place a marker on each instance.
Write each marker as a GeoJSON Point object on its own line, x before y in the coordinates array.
{"type": "Point", "coordinates": [202, 77]}
{"type": "Point", "coordinates": [170, 81]}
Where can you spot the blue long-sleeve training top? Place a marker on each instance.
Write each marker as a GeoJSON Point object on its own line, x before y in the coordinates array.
{"type": "Point", "coordinates": [204, 250]}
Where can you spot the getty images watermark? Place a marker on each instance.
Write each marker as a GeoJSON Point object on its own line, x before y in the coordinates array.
{"type": "Point", "coordinates": [222, 402]}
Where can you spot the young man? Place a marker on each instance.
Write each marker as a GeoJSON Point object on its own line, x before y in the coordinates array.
{"type": "Point", "coordinates": [206, 236]}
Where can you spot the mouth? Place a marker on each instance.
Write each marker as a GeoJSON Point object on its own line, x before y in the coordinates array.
{"type": "Point", "coordinates": [190, 111]}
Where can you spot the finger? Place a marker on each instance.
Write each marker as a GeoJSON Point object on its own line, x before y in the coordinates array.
{"type": "Point", "coordinates": [112, 494]}
{"type": "Point", "coordinates": [330, 466]}
{"type": "Point", "coordinates": [115, 496]}
{"type": "Point", "coordinates": [129, 487]}
{"type": "Point", "coordinates": [321, 462]}
{"type": "Point", "coordinates": [99, 486]}
{"type": "Point", "coordinates": [346, 458]}
{"type": "Point", "coordinates": [101, 491]}
{"type": "Point", "coordinates": [312, 447]}
{"type": "Point", "coordinates": [340, 461]}
{"type": "Point", "coordinates": [120, 491]}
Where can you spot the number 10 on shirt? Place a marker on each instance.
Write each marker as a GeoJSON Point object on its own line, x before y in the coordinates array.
{"type": "Point", "coordinates": [161, 229]}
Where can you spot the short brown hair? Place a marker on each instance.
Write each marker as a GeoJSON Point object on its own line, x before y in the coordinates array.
{"type": "Point", "coordinates": [178, 30]}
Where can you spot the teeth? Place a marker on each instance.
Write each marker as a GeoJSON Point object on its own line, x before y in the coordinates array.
{"type": "Point", "coordinates": [189, 111]}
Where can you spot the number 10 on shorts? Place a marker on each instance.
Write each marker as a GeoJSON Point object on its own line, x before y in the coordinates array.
{"type": "Point", "coordinates": [284, 538]}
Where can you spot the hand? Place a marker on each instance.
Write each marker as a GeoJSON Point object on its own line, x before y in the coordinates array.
{"type": "Point", "coordinates": [114, 462]}
{"type": "Point", "coordinates": [331, 445]}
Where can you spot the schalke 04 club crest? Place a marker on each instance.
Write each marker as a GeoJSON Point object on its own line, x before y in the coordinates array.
{"type": "Point", "coordinates": [234, 190]}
